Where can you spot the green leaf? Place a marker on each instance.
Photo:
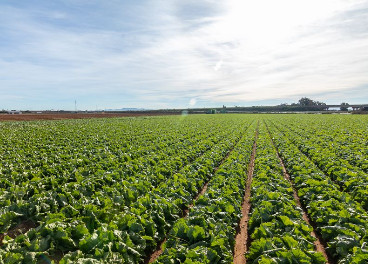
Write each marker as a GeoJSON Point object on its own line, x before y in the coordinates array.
{"type": "Point", "coordinates": [87, 244]}
{"type": "Point", "coordinates": [195, 234]}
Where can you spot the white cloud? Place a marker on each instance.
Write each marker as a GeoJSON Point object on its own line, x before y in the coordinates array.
{"type": "Point", "coordinates": [272, 50]}
{"type": "Point", "coordinates": [218, 65]}
{"type": "Point", "coordinates": [58, 15]}
{"type": "Point", "coordinates": [192, 102]}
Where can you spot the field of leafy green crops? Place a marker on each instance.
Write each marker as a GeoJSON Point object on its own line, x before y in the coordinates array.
{"type": "Point", "coordinates": [118, 190]}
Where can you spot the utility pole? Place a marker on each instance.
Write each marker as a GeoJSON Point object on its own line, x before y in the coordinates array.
{"type": "Point", "coordinates": [75, 102]}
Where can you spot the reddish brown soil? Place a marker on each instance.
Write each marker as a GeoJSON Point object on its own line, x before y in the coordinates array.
{"type": "Point", "coordinates": [320, 246]}
{"type": "Point", "coordinates": [56, 257]}
{"type": "Point", "coordinates": [241, 237]}
{"type": "Point", "coordinates": [156, 253]}
{"type": "Point", "coordinates": [58, 116]}
{"type": "Point", "coordinates": [21, 228]}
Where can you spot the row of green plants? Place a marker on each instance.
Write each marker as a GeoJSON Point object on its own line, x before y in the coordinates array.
{"type": "Point", "coordinates": [107, 210]}
{"type": "Point", "coordinates": [109, 190]}
{"type": "Point", "coordinates": [279, 234]}
{"type": "Point", "coordinates": [341, 221]}
{"type": "Point", "coordinates": [350, 178]}
{"type": "Point", "coordinates": [23, 197]}
{"type": "Point", "coordinates": [68, 147]}
{"type": "Point", "coordinates": [345, 136]}
{"type": "Point", "coordinates": [207, 234]}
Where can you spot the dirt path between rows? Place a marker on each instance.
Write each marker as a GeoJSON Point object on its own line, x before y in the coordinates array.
{"type": "Point", "coordinates": [319, 244]}
{"type": "Point", "coordinates": [241, 237]}
{"type": "Point", "coordinates": [19, 229]}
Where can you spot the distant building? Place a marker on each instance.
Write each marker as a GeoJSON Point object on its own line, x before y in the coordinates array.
{"type": "Point", "coordinates": [14, 112]}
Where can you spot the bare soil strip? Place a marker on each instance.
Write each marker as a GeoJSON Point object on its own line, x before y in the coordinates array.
{"type": "Point", "coordinates": [60, 116]}
{"type": "Point", "coordinates": [156, 253]}
{"type": "Point", "coordinates": [151, 258]}
{"type": "Point", "coordinates": [56, 257]}
{"type": "Point", "coordinates": [21, 228]}
{"type": "Point", "coordinates": [319, 244]}
{"type": "Point", "coordinates": [242, 240]}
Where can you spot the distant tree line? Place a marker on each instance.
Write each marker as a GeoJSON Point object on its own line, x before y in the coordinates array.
{"type": "Point", "coordinates": [305, 102]}
{"type": "Point", "coordinates": [344, 106]}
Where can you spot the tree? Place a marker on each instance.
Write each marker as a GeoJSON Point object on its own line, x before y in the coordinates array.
{"type": "Point", "coordinates": [344, 106]}
{"type": "Point", "coordinates": [304, 101]}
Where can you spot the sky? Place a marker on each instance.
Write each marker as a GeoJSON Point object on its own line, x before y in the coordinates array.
{"type": "Point", "coordinates": [161, 54]}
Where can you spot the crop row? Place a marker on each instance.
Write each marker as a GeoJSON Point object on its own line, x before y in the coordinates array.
{"type": "Point", "coordinates": [207, 234]}
{"type": "Point", "coordinates": [340, 220]}
{"type": "Point", "coordinates": [350, 178]}
{"type": "Point", "coordinates": [344, 136]}
{"type": "Point", "coordinates": [278, 231]}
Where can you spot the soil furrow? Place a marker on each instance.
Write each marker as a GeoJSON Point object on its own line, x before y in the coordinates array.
{"type": "Point", "coordinates": [241, 238]}
{"type": "Point", "coordinates": [80, 115]}
{"type": "Point", "coordinates": [21, 228]}
{"type": "Point", "coordinates": [151, 258]}
{"type": "Point", "coordinates": [319, 244]}
{"type": "Point", "coordinates": [156, 253]}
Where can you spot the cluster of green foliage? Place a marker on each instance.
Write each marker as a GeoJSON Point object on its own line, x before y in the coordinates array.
{"type": "Point", "coordinates": [92, 196]}
{"type": "Point", "coordinates": [109, 190]}
{"type": "Point", "coordinates": [207, 234]}
{"type": "Point", "coordinates": [305, 101]}
{"type": "Point", "coordinates": [339, 152]}
{"type": "Point", "coordinates": [340, 219]}
{"type": "Point", "coordinates": [278, 231]}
